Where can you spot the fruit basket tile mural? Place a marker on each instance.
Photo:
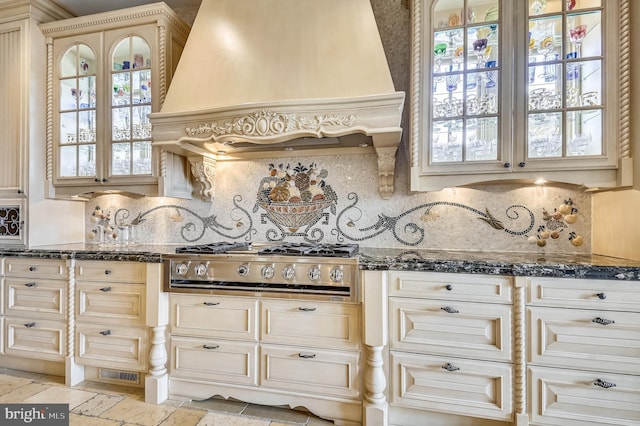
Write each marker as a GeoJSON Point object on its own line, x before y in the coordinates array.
{"type": "Point", "coordinates": [307, 201]}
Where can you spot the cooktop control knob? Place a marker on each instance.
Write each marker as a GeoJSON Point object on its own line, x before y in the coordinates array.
{"type": "Point", "coordinates": [289, 272]}
{"type": "Point", "coordinates": [201, 270]}
{"type": "Point", "coordinates": [243, 270]}
{"type": "Point", "coordinates": [314, 273]}
{"type": "Point", "coordinates": [267, 271]}
{"type": "Point", "coordinates": [182, 269]}
{"type": "Point", "coordinates": [336, 274]}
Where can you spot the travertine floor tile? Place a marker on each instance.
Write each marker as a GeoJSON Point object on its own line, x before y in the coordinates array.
{"type": "Point", "coordinates": [55, 394]}
{"type": "Point", "coordinates": [184, 417]}
{"type": "Point", "coordinates": [112, 389]}
{"type": "Point", "coordinates": [79, 420]}
{"type": "Point", "coordinates": [97, 405]}
{"type": "Point", "coordinates": [215, 419]}
{"type": "Point", "coordinates": [21, 393]}
{"type": "Point", "coordinates": [134, 411]}
{"type": "Point", "coordinates": [11, 383]}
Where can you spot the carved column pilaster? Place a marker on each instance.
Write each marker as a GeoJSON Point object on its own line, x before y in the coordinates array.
{"type": "Point", "coordinates": [519, 352]}
{"type": "Point", "coordinates": [158, 354]}
{"type": "Point", "coordinates": [74, 373]}
{"type": "Point", "coordinates": [203, 170]}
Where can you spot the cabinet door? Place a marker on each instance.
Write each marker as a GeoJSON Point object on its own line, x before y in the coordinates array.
{"type": "Point", "coordinates": [132, 78]}
{"type": "Point", "coordinates": [13, 226]}
{"type": "Point", "coordinates": [564, 397]}
{"type": "Point", "coordinates": [451, 385]}
{"type": "Point", "coordinates": [12, 133]}
{"type": "Point", "coordinates": [77, 110]}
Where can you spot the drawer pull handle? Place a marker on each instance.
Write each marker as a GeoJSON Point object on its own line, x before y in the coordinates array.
{"type": "Point", "coordinates": [105, 332]}
{"type": "Point", "coordinates": [450, 367]}
{"type": "Point", "coordinates": [601, 296]}
{"type": "Point", "coordinates": [307, 356]}
{"type": "Point", "coordinates": [211, 303]}
{"type": "Point", "coordinates": [107, 271]}
{"type": "Point", "coordinates": [105, 289]}
{"type": "Point", "coordinates": [210, 346]}
{"type": "Point", "coordinates": [32, 268]}
{"type": "Point", "coordinates": [606, 385]}
{"type": "Point", "coordinates": [602, 321]}
{"type": "Point", "coordinates": [306, 309]}
{"type": "Point", "coordinates": [30, 285]}
{"type": "Point", "coordinates": [448, 287]}
{"type": "Point", "coordinates": [450, 310]}
{"type": "Point", "coordinates": [30, 324]}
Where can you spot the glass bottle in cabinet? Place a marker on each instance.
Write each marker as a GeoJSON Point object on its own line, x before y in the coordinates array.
{"type": "Point", "coordinates": [107, 72]}
{"type": "Point", "coordinates": [516, 89]}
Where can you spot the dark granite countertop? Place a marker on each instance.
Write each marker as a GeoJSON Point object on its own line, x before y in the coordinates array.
{"type": "Point", "coordinates": [379, 259]}
{"type": "Point", "coordinates": [501, 263]}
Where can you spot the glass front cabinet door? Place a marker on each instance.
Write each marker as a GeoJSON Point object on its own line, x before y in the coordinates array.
{"type": "Point", "coordinates": [520, 90]}
{"type": "Point", "coordinates": [104, 79]}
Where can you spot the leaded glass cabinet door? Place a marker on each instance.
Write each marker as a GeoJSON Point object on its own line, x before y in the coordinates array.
{"type": "Point", "coordinates": [131, 100]}
{"type": "Point", "coordinates": [566, 95]}
{"type": "Point", "coordinates": [77, 120]}
{"type": "Point", "coordinates": [465, 93]}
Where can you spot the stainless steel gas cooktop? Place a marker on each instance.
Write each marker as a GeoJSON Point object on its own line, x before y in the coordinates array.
{"type": "Point", "coordinates": [290, 270]}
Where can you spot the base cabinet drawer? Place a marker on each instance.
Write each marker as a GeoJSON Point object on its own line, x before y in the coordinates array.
{"type": "Point", "coordinates": [451, 385]}
{"type": "Point", "coordinates": [45, 299]}
{"type": "Point", "coordinates": [311, 371]}
{"type": "Point", "coordinates": [214, 316]}
{"type": "Point", "coordinates": [35, 268]}
{"type": "Point", "coordinates": [123, 348]}
{"type": "Point", "coordinates": [565, 397]}
{"type": "Point", "coordinates": [110, 272]}
{"type": "Point", "coordinates": [587, 339]}
{"type": "Point", "coordinates": [474, 330]}
{"type": "Point", "coordinates": [35, 338]}
{"type": "Point", "coordinates": [312, 324]}
{"type": "Point", "coordinates": [120, 304]}
{"type": "Point", "coordinates": [214, 360]}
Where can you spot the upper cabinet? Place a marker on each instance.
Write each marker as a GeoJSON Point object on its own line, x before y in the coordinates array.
{"type": "Point", "coordinates": [520, 90]}
{"type": "Point", "coordinates": [107, 72]}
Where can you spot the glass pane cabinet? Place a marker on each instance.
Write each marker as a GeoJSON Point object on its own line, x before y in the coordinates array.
{"type": "Point", "coordinates": [107, 73]}
{"type": "Point", "coordinates": [517, 89]}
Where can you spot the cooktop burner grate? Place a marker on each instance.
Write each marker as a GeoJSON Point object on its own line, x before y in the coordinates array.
{"type": "Point", "coordinates": [212, 248]}
{"type": "Point", "coordinates": [316, 250]}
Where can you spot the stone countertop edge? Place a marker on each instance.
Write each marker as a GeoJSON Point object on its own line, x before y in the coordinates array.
{"type": "Point", "coordinates": [556, 265]}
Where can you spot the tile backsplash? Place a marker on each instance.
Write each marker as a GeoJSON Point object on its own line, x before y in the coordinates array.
{"type": "Point", "coordinates": [336, 199]}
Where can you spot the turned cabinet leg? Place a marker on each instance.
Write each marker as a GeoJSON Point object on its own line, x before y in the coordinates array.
{"type": "Point", "coordinates": [376, 408]}
{"type": "Point", "coordinates": [156, 389]}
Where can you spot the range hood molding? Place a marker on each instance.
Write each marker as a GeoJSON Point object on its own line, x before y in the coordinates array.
{"type": "Point", "coordinates": [270, 79]}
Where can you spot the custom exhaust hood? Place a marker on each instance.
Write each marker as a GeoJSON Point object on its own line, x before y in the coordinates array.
{"type": "Point", "coordinates": [277, 78]}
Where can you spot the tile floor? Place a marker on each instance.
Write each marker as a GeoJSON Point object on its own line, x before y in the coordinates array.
{"type": "Point", "coordinates": [99, 404]}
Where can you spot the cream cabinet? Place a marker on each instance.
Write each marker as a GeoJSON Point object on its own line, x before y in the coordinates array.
{"type": "Point", "coordinates": [110, 315]}
{"type": "Point", "coordinates": [35, 307]}
{"type": "Point", "coordinates": [268, 351]}
{"type": "Point", "coordinates": [584, 357]}
{"type": "Point", "coordinates": [450, 343]}
{"type": "Point", "coordinates": [25, 217]}
{"type": "Point", "coordinates": [106, 73]}
{"type": "Point", "coordinates": [518, 89]}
